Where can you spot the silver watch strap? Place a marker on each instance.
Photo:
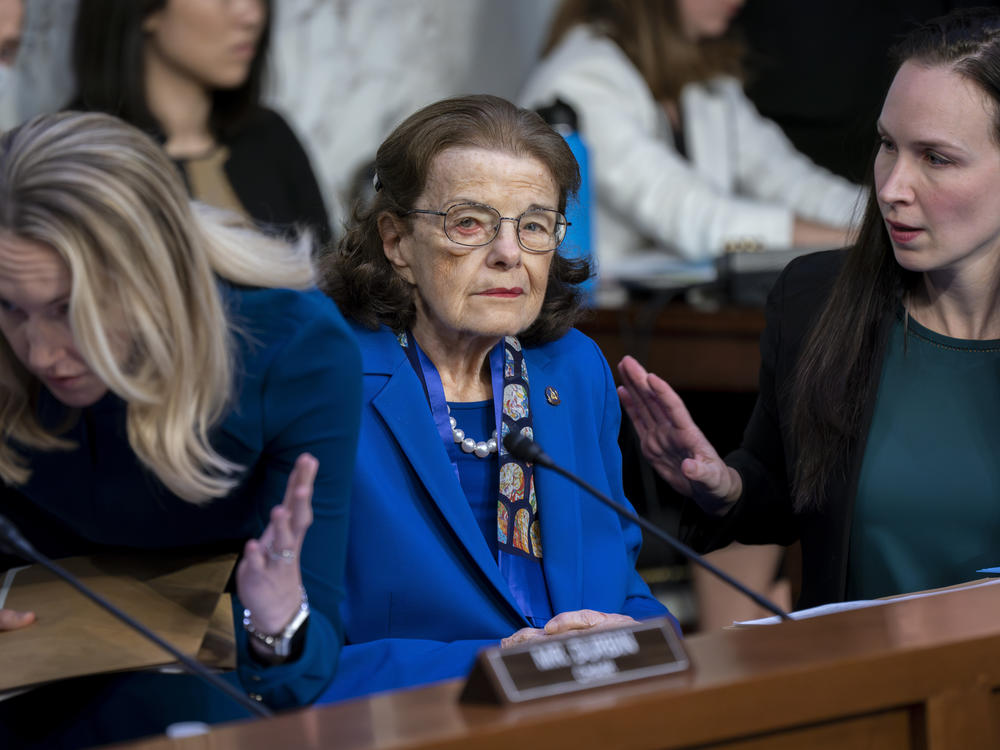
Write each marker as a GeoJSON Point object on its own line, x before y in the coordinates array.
{"type": "Point", "coordinates": [278, 643]}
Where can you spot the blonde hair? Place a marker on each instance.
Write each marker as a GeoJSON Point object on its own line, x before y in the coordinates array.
{"type": "Point", "coordinates": [144, 307]}
{"type": "Point", "coordinates": [651, 36]}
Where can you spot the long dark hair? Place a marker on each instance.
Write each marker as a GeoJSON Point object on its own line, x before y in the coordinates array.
{"type": "Point", "coordinates": [109, 67]}
{"type": "Point", "coordinates": [836, 374]}
{"type": "Point", "coordinates": [361, 279]}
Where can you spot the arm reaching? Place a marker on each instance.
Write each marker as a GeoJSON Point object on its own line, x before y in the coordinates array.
{"type": "Point", "coordinates": [672, 442]}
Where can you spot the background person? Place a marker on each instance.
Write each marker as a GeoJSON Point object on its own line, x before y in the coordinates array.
{"type": "Point", "coordinates": [463, 308]}
{"type": "Point", "coordinates": [190, 73]}
{"type": "Point", "coordinates": [874, 438]}
{"type": "Point", "coordinates": [159, 391]}
{"type": "Point", "coordinates": [11, 25]}
{"type": "Point", "coordinates": [680, 159]}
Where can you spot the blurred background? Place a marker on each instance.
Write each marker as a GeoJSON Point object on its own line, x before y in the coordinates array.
{"type": "Point", "coordinates": [344, 72]}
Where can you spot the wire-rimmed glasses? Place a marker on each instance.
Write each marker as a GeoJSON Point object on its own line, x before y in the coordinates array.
{"type": "Point", "coordinates": [539, 230]}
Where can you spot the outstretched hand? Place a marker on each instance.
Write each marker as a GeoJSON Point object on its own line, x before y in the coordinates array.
{"type": "Point", "coordinates": [672, 442]}
{"type": "Point", "coordinates": [269, 578]}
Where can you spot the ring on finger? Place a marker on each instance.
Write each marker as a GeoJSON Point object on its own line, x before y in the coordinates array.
{"type": "Point", "coordinates": [285, 555]}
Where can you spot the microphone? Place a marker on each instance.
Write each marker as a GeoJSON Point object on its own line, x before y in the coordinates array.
{"type": "Point", "coordinates": [526, 449]}
{"type": "Point", "coordinates": [12, 542]}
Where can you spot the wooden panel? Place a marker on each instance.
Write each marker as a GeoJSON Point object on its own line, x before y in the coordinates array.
{"type": "Point", "coordinates": [692, 350]}
{"type": "Point", "coordinates": [885, 731]}
{"type": "Point", "coordinates": [920, 673]}
{"type": "Point", "coordinates": [962, 718]}
{"type": "Point", "coordinates": [995, 711]}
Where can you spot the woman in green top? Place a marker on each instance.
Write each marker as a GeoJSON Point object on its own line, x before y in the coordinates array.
{"type": "Point", "coordinates": [874, 439]}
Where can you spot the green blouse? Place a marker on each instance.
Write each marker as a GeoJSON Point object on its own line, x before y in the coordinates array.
{"type": "Point", "coordinates": [927, 512]}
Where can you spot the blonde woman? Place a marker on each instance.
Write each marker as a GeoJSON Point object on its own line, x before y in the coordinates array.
{"type": "Point", "coordinates": [159, 390]}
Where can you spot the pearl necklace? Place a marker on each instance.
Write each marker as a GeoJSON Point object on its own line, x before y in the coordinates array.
{"type": "Point", "coordinates": [482, 448]}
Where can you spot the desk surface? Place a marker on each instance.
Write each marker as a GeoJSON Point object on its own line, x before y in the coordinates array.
{"type": "Point", "coordinates": [921, 673]}
{"type": "Point", "coordinates": [691, 349]}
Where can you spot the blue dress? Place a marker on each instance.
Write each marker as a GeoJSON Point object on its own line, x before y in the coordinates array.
{"type": "Point", "coordinates": [298, 389]}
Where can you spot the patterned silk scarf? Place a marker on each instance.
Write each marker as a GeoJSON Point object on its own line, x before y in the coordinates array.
{"type": "Point", "coordinates": [518, 529]}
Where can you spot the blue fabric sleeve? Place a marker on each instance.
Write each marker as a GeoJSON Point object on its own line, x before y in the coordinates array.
{"type": "Point", "coordinates": [394, 663]}
{"type": "Point", "coordinates": [312, 396]}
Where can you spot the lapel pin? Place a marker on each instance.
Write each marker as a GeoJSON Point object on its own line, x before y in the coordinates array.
{"type": "Point", "coordinates": [552, 395]}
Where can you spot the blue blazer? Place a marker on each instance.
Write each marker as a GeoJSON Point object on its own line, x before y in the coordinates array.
{"type": "Point", "coordinates": [424, 592]}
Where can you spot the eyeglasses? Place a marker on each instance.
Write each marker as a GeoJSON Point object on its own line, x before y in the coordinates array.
{"type": "Point", "coordinates": [539, 230]}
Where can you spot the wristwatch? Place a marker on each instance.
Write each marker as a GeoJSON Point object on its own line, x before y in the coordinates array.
{"type": "Point", "coordinates": [289, 640]}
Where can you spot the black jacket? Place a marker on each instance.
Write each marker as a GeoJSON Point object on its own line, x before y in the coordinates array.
{"type": "Point", "coordinates": [765, 512]}
{"type": "Point", "coordinates": [271, 175]}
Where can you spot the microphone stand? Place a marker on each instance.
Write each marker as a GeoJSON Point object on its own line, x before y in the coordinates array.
{"type": "Point", "coordinates": [529, 450]}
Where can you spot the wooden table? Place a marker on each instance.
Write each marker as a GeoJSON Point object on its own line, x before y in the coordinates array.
{"type": "Point", "coordinates": [693, 350]}
{"type": "Point", "coordinates": [922, 674]}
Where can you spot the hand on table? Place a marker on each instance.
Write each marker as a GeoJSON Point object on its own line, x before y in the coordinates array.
{"type": "Point", "coordinates": [522, 636]}
{"type": "Point", "coordinates": [585, 619]}
{"type": "Point", "coordinates": [672, 442]}
{"type": "Point", "coordinates": [11, 619]}
{"type": "Point", "coordinates": [567, 622]}
{"type": "Point", "coordinates": [268, 578]}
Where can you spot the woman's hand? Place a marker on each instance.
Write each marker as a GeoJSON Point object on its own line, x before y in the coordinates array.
{"type": "Point", "coordinates": [567, 622]}
{"type": "Point", "coordinates": [11, 619]}
{"type": "Point", "coordinates": [585, 619]}
{"type": "Point", "coordinates": [672, 442]}
{"type": "Point", "coordinates": [522, 636]}
{"type": "Point", "coordinates": [268, 578]}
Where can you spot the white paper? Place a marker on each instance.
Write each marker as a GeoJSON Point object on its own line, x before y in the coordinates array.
{"type": "Point", "coordinates": [829, 609]}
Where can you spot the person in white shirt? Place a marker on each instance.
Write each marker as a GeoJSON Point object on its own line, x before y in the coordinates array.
{"type": "Point", "coordinates": [680, 159]}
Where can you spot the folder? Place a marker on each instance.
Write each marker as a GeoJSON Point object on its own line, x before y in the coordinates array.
{"type": "Point", "coordinates": [179, 597]}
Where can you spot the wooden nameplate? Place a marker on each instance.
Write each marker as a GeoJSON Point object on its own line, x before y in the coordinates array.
{"type": "Point", "coordinates": [570, 663]}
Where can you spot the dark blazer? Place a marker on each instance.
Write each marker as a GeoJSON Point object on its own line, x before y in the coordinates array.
{"type": "Point", "coordinates": [268, 170]}
{"type": "Point", "coordinates": [424, 592]}
{"type": "Point", "coordinates": [298, 389]}
{"type": "Point", "coordinates": [765, 513]}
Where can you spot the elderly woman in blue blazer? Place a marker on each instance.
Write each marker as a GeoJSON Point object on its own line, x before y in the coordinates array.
{"type": "Point", "coordinates": [463, 308]}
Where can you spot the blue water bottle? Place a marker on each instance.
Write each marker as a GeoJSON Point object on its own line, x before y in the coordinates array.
{"type": "Point", "coordinates": [579, 242]}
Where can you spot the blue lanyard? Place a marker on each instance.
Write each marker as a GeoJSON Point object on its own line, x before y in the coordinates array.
{"type": "Point", "coordinates": [434, 390]}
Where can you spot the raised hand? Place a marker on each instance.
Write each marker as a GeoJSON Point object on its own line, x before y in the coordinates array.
{"type": "Point", "coordinates": [269, 579]}
{"type": "Point", "coordinates": [672, 442]}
